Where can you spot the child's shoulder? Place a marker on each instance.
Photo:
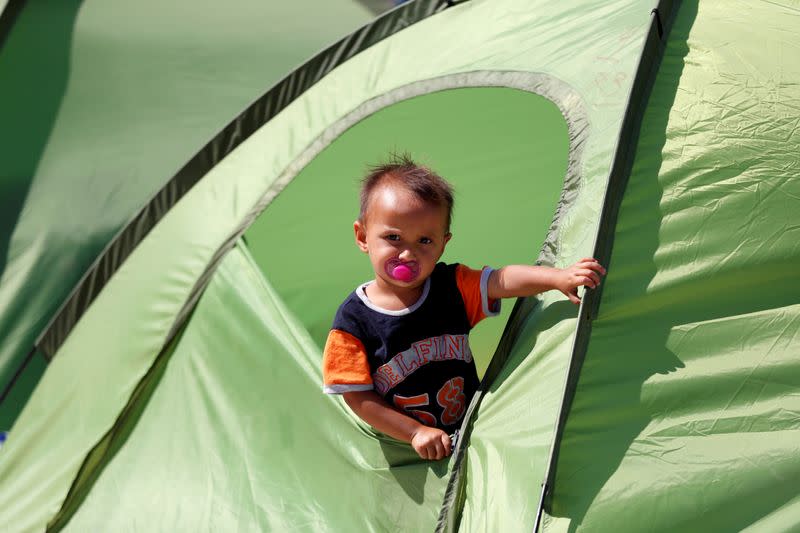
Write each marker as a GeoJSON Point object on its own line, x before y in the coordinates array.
{"type": "Point", "coordinates": [445, 269]}
{"type": "Point", "coordinates": [351, 316]}
{"type": "Point", "coordinates": [349, 304]}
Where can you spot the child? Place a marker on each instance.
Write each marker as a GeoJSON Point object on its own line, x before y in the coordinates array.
{"type": "Point", "coordinates": [398, 349]}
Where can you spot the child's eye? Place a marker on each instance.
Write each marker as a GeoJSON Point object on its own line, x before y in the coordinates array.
{"type": "Point", "coordinates": [425, 240]}
{"type": "Point", "coordinates": [393, 237]}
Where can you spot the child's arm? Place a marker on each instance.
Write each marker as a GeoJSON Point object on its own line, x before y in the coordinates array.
{"type": "Point", "coordinates": [526, 280]}
{"type": "Point", "coordinates": [428, 442]}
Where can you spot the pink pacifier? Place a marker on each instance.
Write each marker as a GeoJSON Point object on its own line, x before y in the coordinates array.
{"type": "Point", "coordinates": [405, 272]}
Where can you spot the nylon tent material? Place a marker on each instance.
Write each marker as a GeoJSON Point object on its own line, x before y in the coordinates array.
{"type": "Point", "coordinates": [409, 493]}
{"type": "Point", "coordinates": [223, 412]}
{"type": "Point", "coordinates": [313, 121]}
{"type": "Point", "coordinates": [688, 395]}
{"type": "Point", "coordinates": [189, 389]}
{"type": "Point", "coordinates": [113, 98]}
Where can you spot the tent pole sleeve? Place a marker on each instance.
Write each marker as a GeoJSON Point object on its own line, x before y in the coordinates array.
{"type": "Point", "coordinates": [650, 58]}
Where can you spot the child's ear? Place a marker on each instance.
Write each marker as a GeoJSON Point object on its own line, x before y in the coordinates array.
{"type": "Point", "coordinates": [447, 237]}
{"type": "Point", "coordinates": [361, 235]}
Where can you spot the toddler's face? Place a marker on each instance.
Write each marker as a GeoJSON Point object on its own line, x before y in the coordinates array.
{"type": "Point", "coordinates": [404, 237]}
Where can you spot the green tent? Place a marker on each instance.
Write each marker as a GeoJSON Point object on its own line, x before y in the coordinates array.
{"type": "Point", "coordinates": [182, 385]}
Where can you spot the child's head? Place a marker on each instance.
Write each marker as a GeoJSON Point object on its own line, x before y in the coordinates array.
{"type": "Point", "coordinates": [402, 172]}
{"type": "Point", "coordinates": [404, 221]}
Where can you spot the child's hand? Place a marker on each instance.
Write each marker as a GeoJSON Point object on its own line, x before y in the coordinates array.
{"type": "Point", "coordinates": [585, 272]}
{"type": "Point", "coordinates": [431, 443]}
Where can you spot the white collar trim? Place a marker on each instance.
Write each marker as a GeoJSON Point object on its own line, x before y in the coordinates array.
{"type": "Point", "coordinates": [362, 294]}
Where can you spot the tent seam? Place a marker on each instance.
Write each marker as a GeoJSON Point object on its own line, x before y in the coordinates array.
{"type": "Point", "coordinates": [654, 44]}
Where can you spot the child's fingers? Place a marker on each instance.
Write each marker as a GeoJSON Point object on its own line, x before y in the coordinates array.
{"type": "Point", "coordinates": [592, 277]}
{"type": "Point", "coordinates": [592, 263]}
{"type": "Point", "coordinates": [438, 450]}
{"type": "Point", "coordinates": [434, 446]}
{"type": "Point", "coordinates": [447, 445]}
{"type": "Point", "coordinates": [586, 278]}
{"type": "Point", "coordinates": [573, 296]}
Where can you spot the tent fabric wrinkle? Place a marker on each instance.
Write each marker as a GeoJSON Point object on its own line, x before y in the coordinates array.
{"type": "Point", "coordinates": [620, 169]}
{"type": "Point", "coordinates": [701, 407]}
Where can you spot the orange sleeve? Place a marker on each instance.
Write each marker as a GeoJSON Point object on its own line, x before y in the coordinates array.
{"type": "Point", "coordinates": [474, 293]}
{"type": "Point", "coordinates": [344, 364]}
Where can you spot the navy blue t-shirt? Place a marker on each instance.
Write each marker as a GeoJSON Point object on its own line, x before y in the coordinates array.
{"type": "Point", "coordinates": [419, 358]}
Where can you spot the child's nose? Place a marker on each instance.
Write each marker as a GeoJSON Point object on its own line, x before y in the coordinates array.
{"type": "Point", "coordinates": [406, 255]}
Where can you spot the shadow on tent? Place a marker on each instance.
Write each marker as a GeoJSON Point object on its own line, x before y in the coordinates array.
{"type": "Point", "coordinates": [591, 460]}
{"type": "Point", "coordinates": [608, 448]}
{"type": "Point", "coordinates": [39, 59]}
{"type": "Point", "coordinates": [34, 67]}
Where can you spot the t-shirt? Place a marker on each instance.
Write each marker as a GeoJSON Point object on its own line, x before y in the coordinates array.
{"type": "Point", "coordinates": [417, 358]}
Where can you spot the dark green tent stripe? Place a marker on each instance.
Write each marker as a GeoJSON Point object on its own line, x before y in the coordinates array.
{"type": "Point", "coordinates": [110, 443]}
{"type": "Point", "coordinates": [247, 123]}
{"type": "Point", "coordinates": [7, 18]}
{"type": "Point", "coordinates": [622, 164]}
{"type": "Point", "coordinates": [19, 372]}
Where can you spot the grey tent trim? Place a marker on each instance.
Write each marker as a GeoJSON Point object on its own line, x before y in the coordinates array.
{"type": "Point", "coordinates": [555, 90]}
{"type": "Point", "coordinates": [237, 131]}
{"type": "Point", "coordinates": [621, 166]}
{"type": "Point", "coordinates": [571, 107]}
